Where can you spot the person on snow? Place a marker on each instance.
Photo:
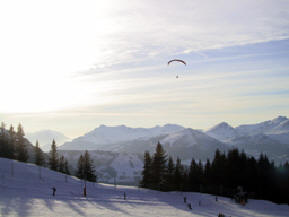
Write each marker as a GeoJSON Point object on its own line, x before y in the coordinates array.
{"type": "Point", "coordinates": [53, 191]}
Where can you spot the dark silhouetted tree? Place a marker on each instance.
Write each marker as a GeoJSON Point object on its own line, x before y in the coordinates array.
{"type": "Point", "coordinates": [159, 168]}
{"type": "Point", "coordinates": [53, 157]}
{"type": "Point", "coordinates": [21, 149]}
{"type": "Point", "coordinates": [39, 155]}
{"type": "Point", "coordinates": [146, 173]}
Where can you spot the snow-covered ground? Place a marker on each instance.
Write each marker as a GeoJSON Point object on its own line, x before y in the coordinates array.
{"type": "Point", "coordinates": [25, 190]}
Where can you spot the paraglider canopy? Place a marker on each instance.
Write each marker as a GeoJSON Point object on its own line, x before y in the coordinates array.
{"type": "Point", "coordinates": [177, 60]}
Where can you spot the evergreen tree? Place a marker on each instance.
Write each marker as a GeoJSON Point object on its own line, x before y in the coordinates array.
{"type": "Point", "coordinates": [222, 176]}
{"type": "Point", "coordinates": [178, 175]}
{"type": "Point", "coordinates": [207, 169]}
{"type": "Point", "coordinates": [146, 173]}
{"type": "Point", "coordinates": [21, 150]}
{"type": "Point", "coordinates": [4, 144]}
{"type": "Point", "coordinates": [89, 170]}
{"type": "Point", "coordinates": [86, 169]}
{"type": "Point", "coordinates": [170, 173]}
{"type": "Point", "coordinates": [218, 169]}
{"type": "Point", "coordinates": [193, 176]}
{"type": "Point", "coordinates": [12, 141]}
{"type": "Point", "coordinates": [53, 158]}
{"type": "Point", "coordinates": [159, 168]}
{"type": "Point", "coordinates": [80, 167]}
{"type": "Point", "coordinates": [39, 156]}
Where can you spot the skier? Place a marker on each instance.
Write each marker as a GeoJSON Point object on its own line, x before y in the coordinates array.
{"type": "Point", "coordinates": [185, 199]}
{"type": "Point", "coordinates": [124, 196]}
{"type": "Point", "coordinates": [53, 191]}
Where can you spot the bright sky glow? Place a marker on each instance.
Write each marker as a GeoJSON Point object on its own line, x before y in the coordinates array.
{"type": "Point", "coordinates": [72, 65]}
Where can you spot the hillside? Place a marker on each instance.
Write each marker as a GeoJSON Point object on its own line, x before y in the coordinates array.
{"type": "Point", "coordinates": [28, 193]}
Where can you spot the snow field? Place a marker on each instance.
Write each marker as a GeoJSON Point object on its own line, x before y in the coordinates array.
{"type": "Point", "coordinates": [25, 190]}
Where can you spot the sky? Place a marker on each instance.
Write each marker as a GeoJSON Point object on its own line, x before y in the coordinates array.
{"type": "Point", "coordinates": [73, 65]}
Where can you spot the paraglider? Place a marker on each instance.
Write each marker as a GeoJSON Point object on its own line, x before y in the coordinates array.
{"type": "Point", "coordinates": [177, 60]}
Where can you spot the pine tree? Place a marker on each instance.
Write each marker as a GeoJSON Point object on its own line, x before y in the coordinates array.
{"type": "Point", "coordinates": [193, 179]}
{"type": "Point", "coordinates": [12, 141]}
{"type": "Point", "coordinates": [80, 167]}
{"type": "Point", "coordinates": [4, 144]}
{"type": "Point", "coordinates": [21, 150]}
{"type": "Point", "coordinates": [53, 159]}
{"type": "Point", "coordinates": [159, 168]}
{"type": "Point", "coordinates": [89, 170]}
{"type": "Point", "coordinates": [207, 171]}
{"type": "Point", "coordinates": [146, 173]}
{"type": "Point", "coordinates": [86, 169]}
{"type": "Point", "coordinates": [178, 175]}
{"type": "Point", "coordinates": [170, 173]}
{"type": "Point", "coordinates": [39, 156]}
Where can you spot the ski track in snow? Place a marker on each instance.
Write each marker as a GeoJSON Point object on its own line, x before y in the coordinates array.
{"type": "Point", "coordinates": [26, 191]}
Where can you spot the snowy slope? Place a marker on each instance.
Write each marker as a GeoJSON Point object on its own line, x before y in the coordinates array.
{"type": "Point", "coordinates": [25, 194]}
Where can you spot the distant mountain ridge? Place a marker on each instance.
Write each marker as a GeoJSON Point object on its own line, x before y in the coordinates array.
{"type": "Point", "coordinates": [113, 138]}
{"type": "Point", "coordinates": [45, 138]}
{"type": "Point", "coordinates": [277, 125]}
{"type": "Point", "coordinates": [110, 146]}
{"type": "Point", "coordinates": [105, 137]}
{"type": "Point", "coordinates": [224, 131]}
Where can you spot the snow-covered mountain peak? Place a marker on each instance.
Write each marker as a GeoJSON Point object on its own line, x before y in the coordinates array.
{"type": "Point", "coordinates": [222, 125]}
{"type": "Point", "coordinates": [280, 119]}
{"type": "Point", "coordinates": [187, 137]}
{"type": "Point", "coordinates": [222, 131]}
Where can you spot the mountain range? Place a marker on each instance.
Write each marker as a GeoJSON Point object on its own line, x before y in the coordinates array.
{"type": "Point", "coordinates": [109, 144]}
{"type": "Point", "coordinates": [270, 137]}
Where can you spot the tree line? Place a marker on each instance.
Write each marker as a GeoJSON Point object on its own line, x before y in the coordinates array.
{"type": "Point", "coordinates": [14, 145]}
{"type": "Point", "coordinates": [220, 176]}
